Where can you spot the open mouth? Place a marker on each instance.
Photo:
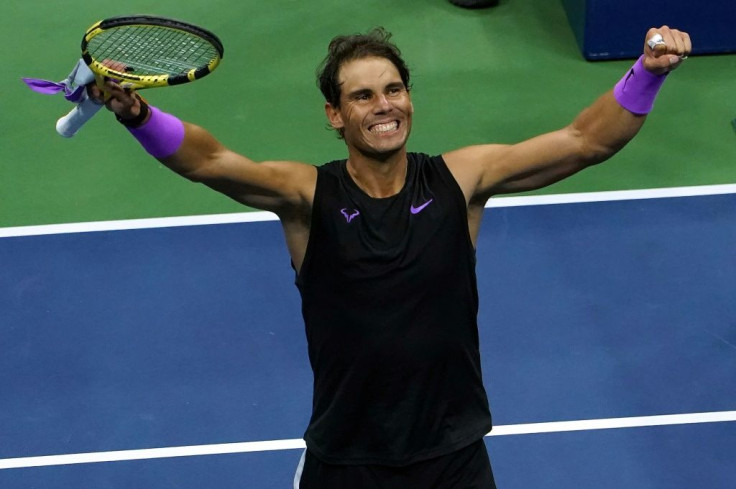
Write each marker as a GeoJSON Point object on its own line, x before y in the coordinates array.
{"type": "Point", "coordinates": [384, 127]}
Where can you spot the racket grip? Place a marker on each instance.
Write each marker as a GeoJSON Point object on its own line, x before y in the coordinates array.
{"type": "Point", "coordinates": [68, 125]}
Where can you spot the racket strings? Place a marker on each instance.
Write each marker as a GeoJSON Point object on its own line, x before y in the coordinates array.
{"type": "Point", "coordinates": [151, 51]}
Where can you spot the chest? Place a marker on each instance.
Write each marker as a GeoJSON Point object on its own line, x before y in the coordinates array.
{"type": "Point", "coordinates": [414, 237]}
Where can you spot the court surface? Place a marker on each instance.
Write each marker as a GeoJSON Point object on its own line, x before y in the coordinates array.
{"type": "Point", "coordinates": [171, 354]}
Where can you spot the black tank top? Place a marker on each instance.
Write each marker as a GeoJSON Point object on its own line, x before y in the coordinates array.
{"type": "Point", "coordinates": [390, 302]}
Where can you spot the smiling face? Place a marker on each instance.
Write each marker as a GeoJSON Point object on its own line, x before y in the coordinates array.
{"type": "Point", "coordinates": [375, 109]}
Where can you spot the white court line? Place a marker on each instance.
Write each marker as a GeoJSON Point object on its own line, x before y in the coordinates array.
{"type": "Point", "coordinates": [127, 224]}
{"type": "Point", "coordinates": [162, 222]}
{"type": "Point", "coordinates": [608, 196]}
{"type": "Point", "coordinates": [263, 446]}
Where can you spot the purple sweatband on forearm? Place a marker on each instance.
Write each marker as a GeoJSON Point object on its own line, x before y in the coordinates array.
{"type": "Point", "coordinates": [161, 135]}
{"type": "Point", "coordinates": [638, 88]}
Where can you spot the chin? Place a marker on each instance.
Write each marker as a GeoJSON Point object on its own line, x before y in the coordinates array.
{"type": "Point", "coordinates": [391, 144]}
{"type": "Point", "coordinates": [382, 154]}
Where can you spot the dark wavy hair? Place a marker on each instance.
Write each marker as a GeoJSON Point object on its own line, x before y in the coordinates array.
{"type": "Point", "coordinates": [343, 49]}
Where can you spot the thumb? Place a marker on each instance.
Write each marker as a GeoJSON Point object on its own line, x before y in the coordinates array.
{"type": "Point", "coordinates": [674, 60]}
{"type": "Point", "coordinates": [659, 49]}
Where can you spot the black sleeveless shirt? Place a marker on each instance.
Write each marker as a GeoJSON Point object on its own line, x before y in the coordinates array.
{"type": "Point", "coordinates": [389, 300]}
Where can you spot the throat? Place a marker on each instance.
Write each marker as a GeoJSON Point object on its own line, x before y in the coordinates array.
{"type": "Point", "coordinates": [376, 179]}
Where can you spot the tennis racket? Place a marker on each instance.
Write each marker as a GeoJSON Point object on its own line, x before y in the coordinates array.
{"type": "Point", "coordinates": [142, 52]}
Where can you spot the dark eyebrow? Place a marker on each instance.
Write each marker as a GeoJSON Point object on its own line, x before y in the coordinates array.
{"type": "Point", "coordinates": [359, 92]}
{"type": "Point", "coordinates": [367, 91]}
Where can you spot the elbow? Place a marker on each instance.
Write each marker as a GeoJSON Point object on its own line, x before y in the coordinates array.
{"type": "Point", "coordinates": [203, 168]}
{"type": "Point", "coordinates": [594, 155]}
{"type": "Point", "coordinates": [196, 176]}
{"type": "Point", "coordinates": [591, 151]}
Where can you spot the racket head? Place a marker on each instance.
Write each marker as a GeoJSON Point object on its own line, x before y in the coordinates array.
{"type": "Point", "coordinates": [144, 51]}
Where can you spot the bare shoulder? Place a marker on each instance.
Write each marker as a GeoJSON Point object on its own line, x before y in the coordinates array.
{"type": "Point", "coordinates": [490, 169]}
{"type": "Point", "coordinates": [293, 181]}
{"type": "Point", "coordinates": [471, 166]}
{"type": "Point", "coordinates": [292, 176]}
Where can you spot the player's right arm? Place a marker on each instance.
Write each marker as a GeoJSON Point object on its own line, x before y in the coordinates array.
{"type": "Point", "coordinates": [282, 187]}
{"type": "Point", "coordinates": [277, 186]}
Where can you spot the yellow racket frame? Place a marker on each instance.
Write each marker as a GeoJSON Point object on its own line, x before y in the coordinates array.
{"type": "Point", "coordinates": [128, 80]}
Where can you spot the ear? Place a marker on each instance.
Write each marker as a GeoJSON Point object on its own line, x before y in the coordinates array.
{"type": "Point", "coordinates": [334, 116]}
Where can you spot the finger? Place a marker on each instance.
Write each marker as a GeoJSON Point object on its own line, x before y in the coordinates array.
{"type": "Point", "coordinates": [687, 43]}
{"type": "Point", "coordinates": [675, 42]}
{"type": "Point", "coordinates": [660, 49]}
{"type": "Point", "coordinates": [121, 98]}
{"type": "Point", "coordinates": [95, 93]}
{"type": "Point", "coordinates": [664, 40]}
{"type": "Point", "coordinates": [656, 43]}
{"type": "Point", "coordinates": [679, 48]}
{"type": "Point", "coordinates": [113, 85]}
{"type": "Point", "coordinates": [115, 65]}
{"type": "Point", "coordinates": [667, 49]}
{"type": "Point", "coordinates": [115, 90]}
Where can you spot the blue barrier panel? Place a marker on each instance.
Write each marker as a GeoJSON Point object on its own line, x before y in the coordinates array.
{"type": "Point", "coordinates": [615, 29]}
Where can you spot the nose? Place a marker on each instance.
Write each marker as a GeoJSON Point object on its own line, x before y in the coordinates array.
{"type": "Point", "coordinates": [382, 103]}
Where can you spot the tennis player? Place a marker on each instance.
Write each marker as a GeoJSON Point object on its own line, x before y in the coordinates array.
{"type": "Point", "coordinates": [383, 244]}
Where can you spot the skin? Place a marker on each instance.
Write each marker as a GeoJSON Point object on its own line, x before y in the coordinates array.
{"type": "Point", "coordinates": [375, 115]}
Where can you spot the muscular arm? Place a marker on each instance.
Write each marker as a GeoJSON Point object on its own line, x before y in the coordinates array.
{"type": "Point", "coordinates": [595, 135]}
{"type": "Point", "coordinates": [277, 186]}
{"type": "Point", "coordinates": [283, 187]}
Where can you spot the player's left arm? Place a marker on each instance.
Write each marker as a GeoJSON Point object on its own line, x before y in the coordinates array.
{"type": "Point", "coordinates": [596, 134]}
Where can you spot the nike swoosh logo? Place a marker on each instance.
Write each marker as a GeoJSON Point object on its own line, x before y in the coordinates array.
{"type": "Point", "coordinates": [417, 210]}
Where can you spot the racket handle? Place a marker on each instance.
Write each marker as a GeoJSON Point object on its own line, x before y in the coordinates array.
{"type": "Point", "coordinates": [68, 125]}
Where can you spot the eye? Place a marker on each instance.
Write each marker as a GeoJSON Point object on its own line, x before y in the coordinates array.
{"type": "Point", "coordinates": [362, 96]}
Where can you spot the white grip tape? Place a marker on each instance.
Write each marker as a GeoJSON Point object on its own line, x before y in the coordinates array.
{"type": "Point", "coordinates": [68, 125]}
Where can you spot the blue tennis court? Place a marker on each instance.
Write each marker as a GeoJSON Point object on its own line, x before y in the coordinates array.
{"type": "Point", "coordinates": [617, 317]}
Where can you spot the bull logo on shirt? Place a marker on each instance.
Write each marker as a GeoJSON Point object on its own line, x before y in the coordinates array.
{"type": "Point", "coordinates": [349, 213]}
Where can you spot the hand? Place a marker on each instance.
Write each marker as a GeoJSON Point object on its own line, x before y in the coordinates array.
{"type": "Point", "coordinates": [667, 54]}
{"type": "Point", "coordinates": [124, 102]}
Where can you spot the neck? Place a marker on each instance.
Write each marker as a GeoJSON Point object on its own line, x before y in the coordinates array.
{"type": "Point", "coordinates": [378, 177]}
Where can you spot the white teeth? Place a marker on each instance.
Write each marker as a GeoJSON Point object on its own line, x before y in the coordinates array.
{"type": "Point", "coordinates": [389, 126]}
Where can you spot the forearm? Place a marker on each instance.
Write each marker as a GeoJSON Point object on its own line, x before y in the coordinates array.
{"type": "Point", "coordinates": [617, 116]}
{"type": "Point", "coordinates": [183, 147]}
{"type": "Point", "coordinates": [197, 154]}
{"type": "Point", "coordinates": [595, 135]}
{"type": "Point", "coordinates": [604, 128]}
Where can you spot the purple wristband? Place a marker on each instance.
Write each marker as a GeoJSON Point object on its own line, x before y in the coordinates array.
{"type": "Point", "coordinates": [638, 88]}
{"type": "Point", "coordinates": [161, 135]}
